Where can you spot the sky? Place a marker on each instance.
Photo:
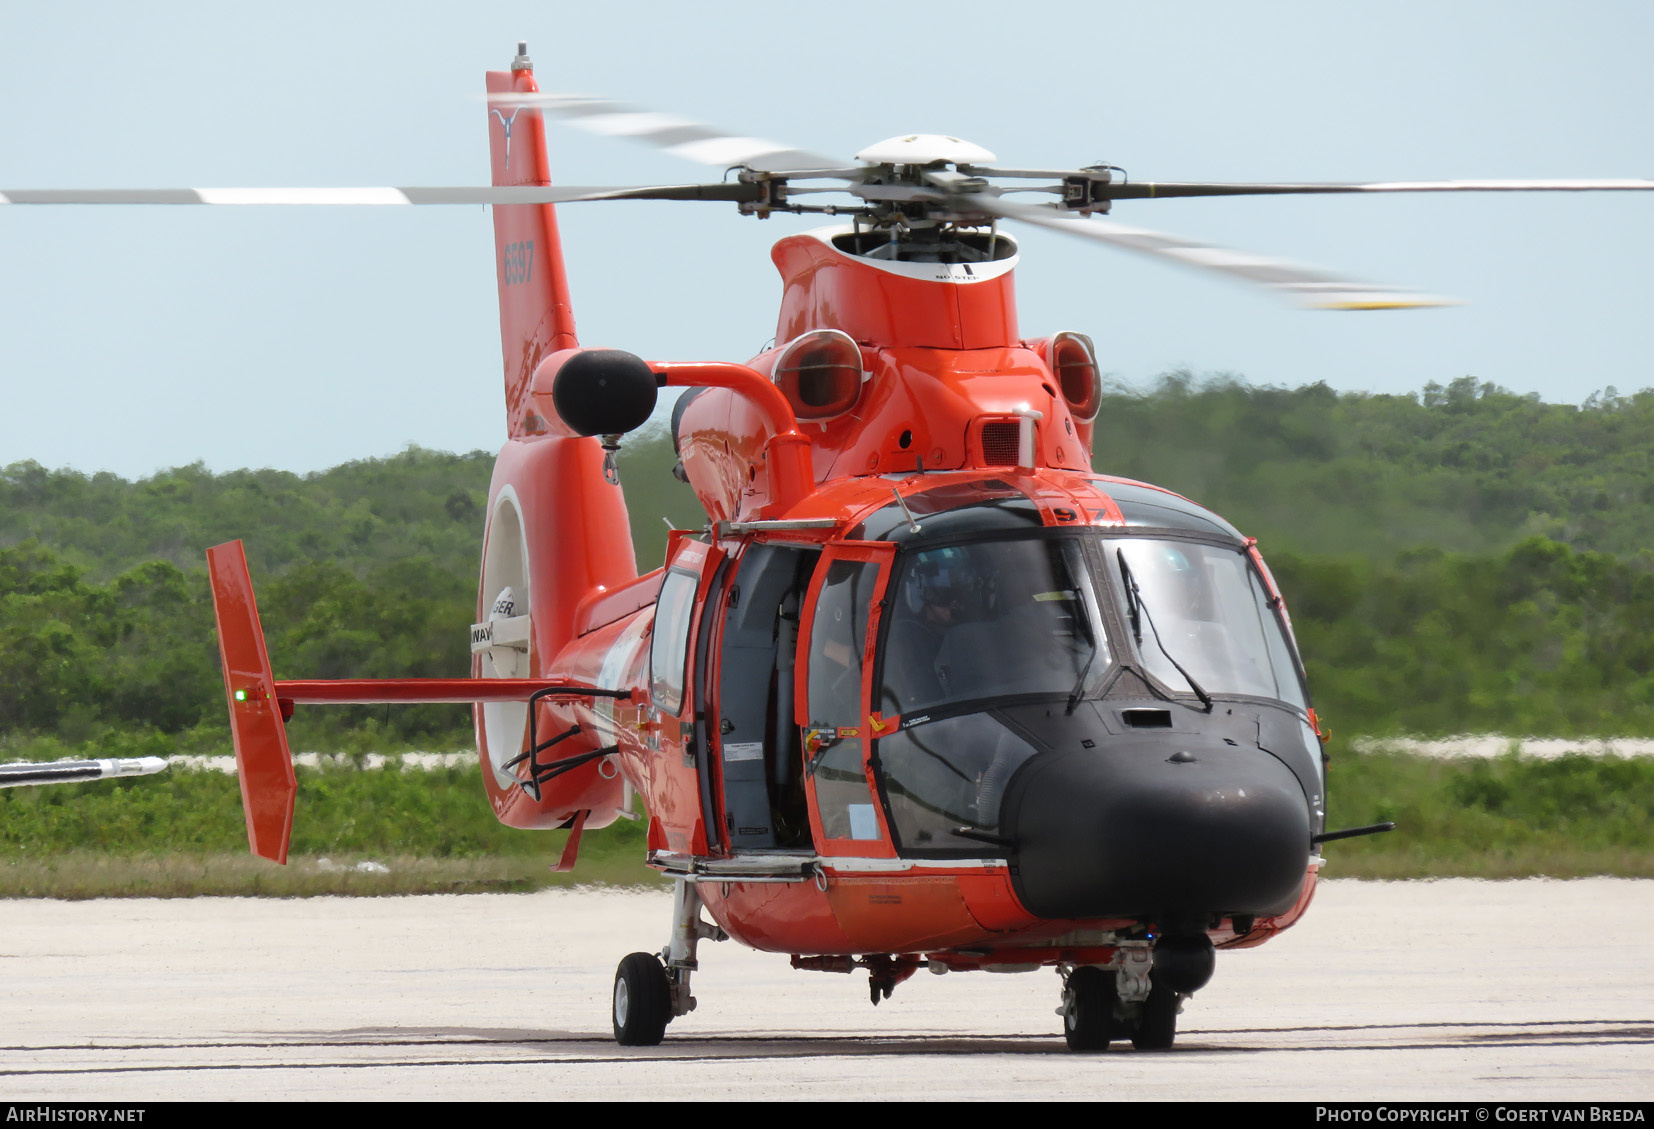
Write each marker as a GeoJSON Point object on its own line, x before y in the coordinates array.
{"type": "Point", "coordinates": [136, 339]}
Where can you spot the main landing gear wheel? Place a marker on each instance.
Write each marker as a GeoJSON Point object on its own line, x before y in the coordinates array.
{"type": "Point", "coordinates": [1156, 1021]}
{"type": "Point", "coordinates": [1088, 1009]}
{"type": "Point", "coordinates": [643, 1001]}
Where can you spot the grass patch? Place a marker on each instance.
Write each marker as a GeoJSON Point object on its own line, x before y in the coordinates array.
{"type": "Point", "coordinates": [440, 813]}
{"type": "Point", "coordinates": [355, 831]}
{"type": "Point", "coordinates": [86, 874]}
{"type": "Point", "coordinates": [389, 831]}
{"type": "Point", "coordinates": [1510, 817]}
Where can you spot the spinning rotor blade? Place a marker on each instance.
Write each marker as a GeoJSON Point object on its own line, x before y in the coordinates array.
{"type": "Point", "coordinates": [678, 136]}
{"type": "Point", "coordinates": [1152, 191]}
{"type": "Point", "coordinates": [326, 197]}
{"type": "Point", "coordinates": [1307, 286]}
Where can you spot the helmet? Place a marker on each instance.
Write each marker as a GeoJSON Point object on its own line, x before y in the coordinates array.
{"type": "Point", "coordinates": [943, 578]}
{"type": "Point", "coordinates": [1178, 580]}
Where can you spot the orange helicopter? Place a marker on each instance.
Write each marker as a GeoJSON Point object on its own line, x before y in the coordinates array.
{"type": "Point", "coordinates": [927, 692]}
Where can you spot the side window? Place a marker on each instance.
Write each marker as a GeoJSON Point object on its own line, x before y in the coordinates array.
{"type": "Point", "coordinates": [837, 641]}
{"type": "Point", "coordinates": [669, 650]}
{"type": "Point", "coordinates": [1283, 669]}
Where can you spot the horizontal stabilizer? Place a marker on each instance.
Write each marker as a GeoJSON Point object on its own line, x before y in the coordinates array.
{"type": "Point", "coordinates": [263, 761]}
{"type": "Point", "coordinates": [453, 691]}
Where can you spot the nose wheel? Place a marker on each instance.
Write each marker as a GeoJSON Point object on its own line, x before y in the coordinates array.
{"type": "Point", "coordinates": [1089, 1000]}
{"type": "Point", "coordinates": [1101, 1006]}
{"type": "Point", "coordinates": [1156, 1020]}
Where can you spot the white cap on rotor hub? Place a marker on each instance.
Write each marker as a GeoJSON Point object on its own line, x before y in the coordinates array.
{"type": "Point", "coordinates": [924, 149]}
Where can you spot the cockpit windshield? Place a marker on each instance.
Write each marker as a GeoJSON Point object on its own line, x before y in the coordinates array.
{"type": "Point", "coordinates": [1008, 618]}
{"type": "Point", "coordinates": [971, 628]}
{"type": "Point", "coordinates": [990, 619]}
{"type": "Point", "coordinates": [1203, 608]}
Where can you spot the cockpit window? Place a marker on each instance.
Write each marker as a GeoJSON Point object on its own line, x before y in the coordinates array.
{"type": "Point", "coordinates": [1203, 608]}
{"type": "Point", "coordinates": [990, 619]}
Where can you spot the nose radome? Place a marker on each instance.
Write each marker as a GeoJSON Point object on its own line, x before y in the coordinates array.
{"type": "Point", "coordinates": [1176, 827]}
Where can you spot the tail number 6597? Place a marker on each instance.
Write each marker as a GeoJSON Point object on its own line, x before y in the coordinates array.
{"type": "Point", "coordinates": [518, 262]}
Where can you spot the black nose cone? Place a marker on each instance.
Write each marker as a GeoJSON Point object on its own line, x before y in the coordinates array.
{"type": "Point", "coordinates": [1169, 827]}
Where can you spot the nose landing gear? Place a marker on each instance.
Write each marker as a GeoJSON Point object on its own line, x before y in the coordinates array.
{"type": "Point", "coordinates": [1137, 996]}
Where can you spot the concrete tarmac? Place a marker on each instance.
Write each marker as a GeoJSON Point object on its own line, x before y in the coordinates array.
{"type": "Point", "coordinates": [1408, 991]}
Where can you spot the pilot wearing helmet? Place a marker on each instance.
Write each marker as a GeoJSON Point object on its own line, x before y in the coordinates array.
{"type": "Point", "coordinates": [940, 591]}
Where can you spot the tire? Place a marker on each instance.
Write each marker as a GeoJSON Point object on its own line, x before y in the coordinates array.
{"type": "Point", "coordinates": [642, 1001]}
{"type": "Point", "coordinates": [1156, 1020]}
{"type": "Point", "coordinates": [1089, 1021]}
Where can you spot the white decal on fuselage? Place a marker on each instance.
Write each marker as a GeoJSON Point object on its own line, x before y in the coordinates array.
{"type": "Point", "coordinates": [617, 662]}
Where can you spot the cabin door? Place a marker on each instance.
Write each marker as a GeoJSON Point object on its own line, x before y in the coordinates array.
{"type": "Point", "coordinates": [835, 658]}
{"type": "Point", "coordinates": [757, 735]}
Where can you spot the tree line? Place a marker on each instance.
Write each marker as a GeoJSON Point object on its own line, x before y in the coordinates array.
{"type": "Point", "coordinates": [1460, 560]}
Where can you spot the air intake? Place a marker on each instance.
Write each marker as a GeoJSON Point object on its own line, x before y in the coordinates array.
{"type": "Point", "coordinates": [1000, 442]}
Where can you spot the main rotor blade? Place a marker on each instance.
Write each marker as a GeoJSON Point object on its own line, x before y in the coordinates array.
{"type": "Point", "coordinates": [335, 197]}
{"type": "Point", "coordinates": [1147, 190]}
{"type": "Point", "coordinates": [1307, 286]}
{"type": "Point", "coordinates": [692, 141]}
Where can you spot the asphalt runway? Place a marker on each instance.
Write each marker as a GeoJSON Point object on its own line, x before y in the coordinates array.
{"type": "Point", "coordinates": [1449, 990]}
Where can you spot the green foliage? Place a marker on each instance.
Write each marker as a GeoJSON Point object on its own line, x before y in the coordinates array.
{"type": "Point", "coordinates": [1462, 560]}
{"type": "Point", "coordinates": [84, 659]}
{"type": "Point", "coordinates": [366, 570]}
{"type": "Point", "coordinates": [371, 513]}
{"type": "Point", "coordinates": [1541, 639]}
{"type": "Point", "coordinates": [368, 517]}
{"type": "Point", "coordinates": [76, 655]}
{"type": "Point", "coordinates": [90, 874]}
{"type": "Point", "coordinates": [1490, 572]}
{"type": "Point", "coordinates": [342, 814]}
{"type": "Point", "coordinates": [1513, 817]}
{"type": "Point", "coordinates": [1469, 467]}
{"type": "Point", "coordinates": [655, 500]}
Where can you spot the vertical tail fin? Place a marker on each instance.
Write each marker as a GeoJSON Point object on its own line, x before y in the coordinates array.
{"type": "Point", "coordinates": [535, 316]}
{"type": "Point", "coordinates": [261, 755]}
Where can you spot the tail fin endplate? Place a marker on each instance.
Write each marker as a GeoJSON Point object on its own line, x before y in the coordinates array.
{"type": "Point", "coordinates": [264, 763]}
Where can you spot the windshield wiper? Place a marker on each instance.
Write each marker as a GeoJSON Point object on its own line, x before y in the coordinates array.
{"type": "Point", "coordinates": [1078, 692]}
{"type": "Point", "coordinates": [1133, 597]}
{"type": "Point", "coordinates": [1137, 608]}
